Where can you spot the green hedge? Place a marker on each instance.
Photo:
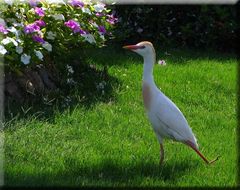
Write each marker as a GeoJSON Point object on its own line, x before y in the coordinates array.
{"type": "Point", "coordinates": [200, 26]}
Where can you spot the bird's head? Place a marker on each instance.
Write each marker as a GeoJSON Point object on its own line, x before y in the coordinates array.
{"type": "Point", "coordinates": [144, 48]}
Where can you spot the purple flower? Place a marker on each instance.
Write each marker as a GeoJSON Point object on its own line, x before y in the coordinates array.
{"type": "Point", "coordinates": [33, 3]}
{"type": "Point", "coordinates": [30, 28]}
{"type": "Point", "coordinates": [82, 31]}
{"type": "Point", "coordinates": [99, 14]}
{"type": "Point", "coordinates": [102, 29]}
{"type": "Point", "coordinates": [111, 19]}
{"type": "Point", "coordinates": [38, 39]}
{"type": "Point", "coordinates": [39, 11]}
{"type": "Point", "coordinates": [3, 29]}
{"type": "Point", "coordinates": [40, 23]}
{"type": "Point", "coordinates": [73, 25]}
{"type": "Point", "coordinates": [76, 3]}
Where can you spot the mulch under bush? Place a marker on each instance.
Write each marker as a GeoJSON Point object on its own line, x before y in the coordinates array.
{"type": "Point", "coordinates": [31, 82]}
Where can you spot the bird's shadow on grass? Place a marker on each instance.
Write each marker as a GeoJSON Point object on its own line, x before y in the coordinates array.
{"type": "Point", "coordinates": [106, 173]}
{"type": "Point", "coordinates": [120, 173]}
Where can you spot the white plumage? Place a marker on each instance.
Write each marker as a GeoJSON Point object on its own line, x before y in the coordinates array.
{"type": "Point", "coordinates": [166, 118]}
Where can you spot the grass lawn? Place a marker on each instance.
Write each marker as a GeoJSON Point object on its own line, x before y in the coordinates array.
{"type": "Point", "coordinates": [106, 139]}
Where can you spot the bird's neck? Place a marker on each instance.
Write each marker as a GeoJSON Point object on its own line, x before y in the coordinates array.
{"type": "Point", "coordinates": [149, 61]}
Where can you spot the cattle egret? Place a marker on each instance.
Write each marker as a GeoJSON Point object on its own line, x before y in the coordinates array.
{"type": "Point", "coordinates": [166, 118]}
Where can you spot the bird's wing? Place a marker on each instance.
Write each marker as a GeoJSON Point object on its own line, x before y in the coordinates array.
{"type": "Point", "coordinates": [169, 115]}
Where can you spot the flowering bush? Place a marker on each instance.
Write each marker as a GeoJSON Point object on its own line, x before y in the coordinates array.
{"type": "Point", "coordinates": [34, 29]}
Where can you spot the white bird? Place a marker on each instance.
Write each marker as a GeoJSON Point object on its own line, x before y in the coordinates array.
{"type": "Point", "coordinates": [166, 118]}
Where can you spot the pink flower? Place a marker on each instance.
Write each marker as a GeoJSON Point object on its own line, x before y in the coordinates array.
{"type": "Point", "coordinates": [73, 25]}
{"type": "Point", "coordinates": [38, 39]}
{"type": "Point", "coordinates": [30, 28]}
{"type": "Point", "coordinates": [99, 14]}
{"type": "Point", "coordinates": [3, 29]}
{"type": "Point", "coordinates": [111, 19]}
{"type": "Point", "coordinates": [33, 3]}
{"type": "Point", "coordinates": [39, 11]}
{"type": "Point", "coordinates": [82, 31]}
{"type": "Point", "coordinates": [102, 29]}
{"type": "Point", "coordinates": [76, 3]}
{"type": "Point", "coordinates": [40, 23]}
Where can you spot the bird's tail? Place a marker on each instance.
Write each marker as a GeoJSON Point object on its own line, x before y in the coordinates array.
{"type": "Point", "coordinates": [194, 141]}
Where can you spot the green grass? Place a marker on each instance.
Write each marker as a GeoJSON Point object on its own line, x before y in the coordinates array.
{"type": "Point", "coordinates": [108, 141]}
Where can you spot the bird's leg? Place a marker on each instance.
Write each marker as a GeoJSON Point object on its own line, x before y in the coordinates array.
{"type": "Point", "coordinates": [189, 143]}
{"type": "Point", "coordinates": [161, 154]}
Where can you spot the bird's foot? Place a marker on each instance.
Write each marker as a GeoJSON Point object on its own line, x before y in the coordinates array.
{"type": "Point", "coordinates": [214, 160]}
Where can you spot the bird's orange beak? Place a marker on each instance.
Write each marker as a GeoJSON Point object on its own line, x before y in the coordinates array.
{"type": "Point", "coordinates": [133, 47]}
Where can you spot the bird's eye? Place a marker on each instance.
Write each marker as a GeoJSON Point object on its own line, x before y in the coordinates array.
{"type": "Point", "coordinates": [142, 47]}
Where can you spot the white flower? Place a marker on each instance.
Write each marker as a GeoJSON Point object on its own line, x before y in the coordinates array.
{"type": "Point", "coordinates": [40, 33]}
{"type": "Point", "coordinates": [139, 30]}
{"type": "Point", "coordinates": [94, 24]}
{"type": "Point", "coordinates": [39, 54]}
{"type": "Point", "coordinates": [101, 36]}
{"type": "Point", "coordinates": [19, 40]}
{"type": "Point", "coordinates": [12, 29]}
{"type": "Point", "coordinates": [19, 49]}
{"type": "Point", "coordinates": [15, 31]}
{"type": "Point", "coordinates": [18, 15]}
{"type": "Point", "coordinates": [18, 24]}
{"type": "Point", "coordinates": [58, 17]}
{"type": "Point", "coordinates": [55, 1]}
{"type": "Point", "coordinates": [22, 10]}
{"type": "Point", "coordinates": [162, 62]}
{"type": "Point", "coordinates": [7, 40]}
{"type": "Point", "coordinates": [2, 22]}
{"type": "Point", "coordinates": [71, 81]}
{"type": "Point", "coordinates": [99, 7]}
{"type": "Point", "coordinates": [86, 10]}
{"type": "Point", "coordinates": [47, 46]}
{"type": "Point", "coordinates": [89, 38]}
{"type": "Point", "coordinates": [9, 2]}
{"type": "Point", "coordinates": [101, 85]}
{"type": "Point", "coordinates": [70, 69]}
{"type": "Point", "coordinates": [51, 35]}
{"type": "Point", "coordinates": [25, 59]}
{"type": "Point", "coordinates": [3, 51]}
{"type": "Point", "coordinates": [14, 42]}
